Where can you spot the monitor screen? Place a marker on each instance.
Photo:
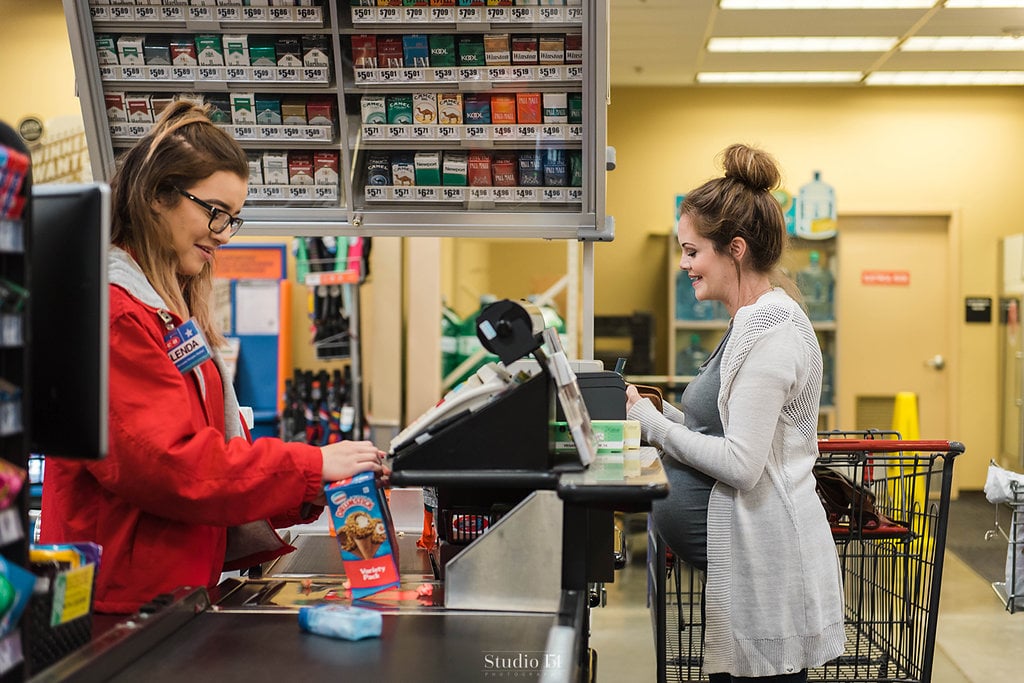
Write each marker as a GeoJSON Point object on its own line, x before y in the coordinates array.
{"type": "Point", "coordinates": [68, 320]}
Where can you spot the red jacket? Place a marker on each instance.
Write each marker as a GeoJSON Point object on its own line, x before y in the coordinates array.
{"type": "Point", "coordinates": [160, 503]}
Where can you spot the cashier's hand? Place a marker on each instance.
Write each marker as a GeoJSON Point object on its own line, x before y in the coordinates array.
{"type": "Point", "coordinates": [348, 458]}
{"type": "Point", "coordinates": [632, 396]}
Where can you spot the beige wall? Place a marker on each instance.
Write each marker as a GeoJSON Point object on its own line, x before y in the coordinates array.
{"type": "Point", "coordinates": [900, 150]}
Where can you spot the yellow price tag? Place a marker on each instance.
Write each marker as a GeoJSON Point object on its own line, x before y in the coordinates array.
{"type": "Point", "coordinates": [72, 594]}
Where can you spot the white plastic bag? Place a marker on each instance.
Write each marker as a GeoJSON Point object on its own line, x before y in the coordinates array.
{"type": "Point", "coordinates": [999, 485]}
{"type": "Point", "coordinates": [1015, 561]}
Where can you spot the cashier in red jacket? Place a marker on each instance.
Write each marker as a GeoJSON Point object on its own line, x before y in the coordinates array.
{"type": "Point", "coordinates": [183, 493]}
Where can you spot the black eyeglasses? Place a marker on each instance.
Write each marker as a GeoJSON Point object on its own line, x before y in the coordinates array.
{"type": "Point", "coordinates": [220, 220]}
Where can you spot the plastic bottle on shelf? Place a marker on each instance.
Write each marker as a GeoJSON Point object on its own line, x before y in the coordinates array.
{"type": "Point", "coordinates": [816, 210]}
{"type": "Point", "coordinates": [692, 357]}
{"type": "Point", "coordinates": [817, 285]}
{"type": "Point", "coordinates": [827, 370]}
{"type": "Point", "coordinates": [687, 305]}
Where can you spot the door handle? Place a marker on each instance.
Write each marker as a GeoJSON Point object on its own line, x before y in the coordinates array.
{"type": "Point", "coordinates": [937, 362]}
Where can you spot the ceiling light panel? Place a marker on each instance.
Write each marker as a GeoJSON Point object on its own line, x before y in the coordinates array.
{"type": "Point", "coordinates": [782, 77]}
{"type": "Point", "coordinates": [984, 4]}
{"type": "Point", "coordinates": [946, 78]}
{"type": "Point", "coordinates": [963, 44]}
{"type": "Point", "coordinates": [802, 44]}
{"type": "Point", "coordinates": [826, 4]}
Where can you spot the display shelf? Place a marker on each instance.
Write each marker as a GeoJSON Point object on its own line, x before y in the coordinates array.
{"type": "Point", "coordinates": [574, 61]}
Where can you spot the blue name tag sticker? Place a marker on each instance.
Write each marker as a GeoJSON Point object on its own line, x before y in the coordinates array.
{"type": "Point", "coordinates": [186, 346]}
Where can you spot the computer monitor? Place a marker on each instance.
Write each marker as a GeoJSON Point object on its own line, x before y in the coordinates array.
{"type": "Point", "coordinates": [69, 320]}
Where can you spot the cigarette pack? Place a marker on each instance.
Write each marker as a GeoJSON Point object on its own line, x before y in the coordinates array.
{"type": "Point", "coordinates": [365, 534]}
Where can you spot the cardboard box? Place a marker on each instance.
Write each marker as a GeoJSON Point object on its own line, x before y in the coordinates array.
{"type": "Point", "coordinates": [364, 51]}
{"type": "Point", "coordinates": [325, 167]}
{"type": "Point", "coordinates": [399, 109]}
{"type": "Point", "coordinates": [183, 51]}
{"type": "Point", "coordinates": [442, 50]}
{"type": "Point", "coordinates": [209, 49]}
{"type": "Point", "coordinates": [524, 50]}
{"type": "Point", "coordinates": [138, 108]}
{"type": "Point", "coordinates": [479, 170]}
{"type": "Point", "coordinates": [268, 110]}
{"type": "Point", "coordinates": [390, 52]}
{"type": "Point", "coordinates": [236, 49]}
{"type": "Point", "coordinates": [471, 51]}
{"type": "Point", "coordinates": [415, 52]}
{"type": "Point", "coordinates": [157, 50]}
{"type": "Point", "coordinates": [497, 49]}
{"type": "Point", "coordinates": [289, 51]}
{"type": "Point", "coordinates": [293, 110]}
{"type": "Point", "coordinates": [255, 168]}
{"type": "Point", "coordinates": [454, 169]}
{"type": "Point", "coordinates": [403, 169]}
{"type": "Point", "coordinates": [551, 49]}
{"type": "Point", "coordinates": [528, 110]}
{"type": "Point", "coordinates": [424, 108]}
{"type": "Point", "coordinates": [130, 50]}
{"type": "Point", "coordinates": [378, 168]}
{"type": "Point", "coordinates": [300, 168]}
{"type": "Point", "coordinates": [116, 111]}
{"type": "Point", "coordinates": [428, 168]}
{"type": "Point", "coordinates": [505, 170]}
{"type": "Point", "coordinates": [243, 108]}
{"type": "Point", "coordinates": [316, 50]}
{"type": "Point", "coordinates": [449, 108]}
{"type": "Point", "coordinates": [275, 168]}
{"type": "Point", "coordinates": [477, 109]}
{"type": "Point", "coordinates": [320, 110]}
{"type": "Point", "coordinates": [262, 51]}
{"type": "Point", "coordinates": [372, 109]}
{"type": "Point", "coordinates": [555, 107]}
{"type": "Point", "coordinates": [503, 108]}
{"type": "Point", "coordinates": [365, 534]}
{"type": "Point", "coordinates": [106, 49]}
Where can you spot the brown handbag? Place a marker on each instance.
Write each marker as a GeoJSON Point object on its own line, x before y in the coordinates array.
{"type": "Point", "coordinates": [652, 393]}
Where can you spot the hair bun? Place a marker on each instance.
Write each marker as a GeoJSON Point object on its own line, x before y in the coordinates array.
{"type": "Point", "coordinates": [754, 168]}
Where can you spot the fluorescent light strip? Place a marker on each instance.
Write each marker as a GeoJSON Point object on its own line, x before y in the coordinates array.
{"type": "Point", "coordinates": [963, 44]}
{"type": "Point", "coordinates": [946, 78]}
{"type": "Point", "coordinates": [778, 77]}
{"type": "Point", "coordinates": [826, 4]}
{"type": "Point", "coordinates": [802, 44]}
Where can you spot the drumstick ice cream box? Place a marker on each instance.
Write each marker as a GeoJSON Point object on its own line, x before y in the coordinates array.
{"type": "Point", "coordinates": [365, 533]}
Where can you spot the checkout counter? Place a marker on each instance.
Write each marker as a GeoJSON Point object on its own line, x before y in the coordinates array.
{"type": "Point", "coordinates": [512, 601]}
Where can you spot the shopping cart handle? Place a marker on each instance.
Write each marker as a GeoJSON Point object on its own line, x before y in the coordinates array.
{"type": "Point", "coordinates": [888, 446]}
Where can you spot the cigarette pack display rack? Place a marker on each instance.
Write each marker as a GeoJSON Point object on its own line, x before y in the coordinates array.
{"type": "Point", "coordinates": [417, 118]}
{"type": "Point", "coordinates": [892, 569]}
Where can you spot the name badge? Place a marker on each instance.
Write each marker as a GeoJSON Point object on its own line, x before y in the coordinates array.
{"type": "Point", "coordinates": [186, 346]}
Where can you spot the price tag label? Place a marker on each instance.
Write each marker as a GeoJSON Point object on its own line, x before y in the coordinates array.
{"type": "Point", "coordinates": [264, 73]}
{"type": "Point", "coordinates": [99, 13]}
{"type": "Point", "coordinates": [137, 130]}
{"type": "Point", "coordinates": [501, 194]}
{"type": "Point", "coordinates": [269, 132]}
{"type": "Point", "coordinates": [245, 132]}
{"type": "Point", "coordinates": [255, 13]}
{"type": "Point", "coordinates": [397, 132]}
{"type": "Point", "coordinates": [363, 15]}
{"type": "Point", "coordinates": [316, 132]}
{"type": "Point", "coordinates": [121, 12]}
{"type": "Point", "coordinates": [468, 73]}
{"type": "Point", "coordinates": [575, 131]}
{"type": "Point", "coordinates": [371, 132]}
{"type": "Point", "coordinates": [273, 191]}
{"type": "Point", "coordinates": [375, 193]}
{"type": "Point", "coordinates": [10, 526]}
{"type": "Point", "coordinates": [402, 193]}
{"type": "Point", "coordinates": [504, 132]}
{"type": "Point", "coordinates": [497, 73]}
{"type": "Point", "coordinates": [522, 15]}
{"type": "Point", "coordinates": [237, 73]}
{"type": "Point", "coordinates": [287, 73]}
{"type": "Point", "coordinates": [389, 15]}
{"type": "Point", "coordinates": [527, 132]}
{"type": "Point", "coordinates": [107, 72]}
{"type": "Point", "coordinates": [131, 73]}
{"type": "Point", "coordinates": [172, 12]}
{"type": "Point", "coordinates": [229, 13]}
{"type": "Point", "coordinates": [412, 75]}
{"type": "Point", "coordinates": [553, 194]}
{"type": "Point", "coordinates": [574, 72]}
{"type": "Point", "coordinates": [325, 191]}
{"type": "Point", "coordinates": [158, 73]}
{"type": "Point", "coordinates": [208, 73]}
{"type": "Point", "coordinates": [416, 14]}
{"type": "Point", "coordinates": [448, 133]}
{"type": "Point", "coordinates": [526, 194]}
{"type": "Point", "coordinates": [308, 15]}
{"type": "Point", "coordinates": [444, 74]}
{"type": "Point", "coordinates": [551, 132]}
{"type": "Point", "coordinates": [574, 194]}
{"type": "Point", "coordinates": [469, 14]}
{"type": "Point", "coordinates": [280, 13]}
{"type": "Point", "coordinates": [119, 130]}
{"type": "Point", "coordinates": [477, 133]}
{"type": "Point", "coordinates": [574, 15]}
{"type": "Point", "coordinates": [497, 14]}
{"type": "Point", "coordinates": [317, 74]}
{"type": "Point", "coordinates": [423, 132]}
{"type": "Point", "coordinates": [551, 14]}
{"type": "Point", "coordinates": [426, 194]}
{"type": "Point", "coordinates": [549, 73]}
{"type": "Point", "coordinates": [299, 192]}
{"type": "Point", "coordinates": [442, 15]}
{"type": "Point", "coordinates": [452, 194]}
{"type": "Point", "coordinates": [387, 75]}
{"type": "Point", "coordinates": [480, 194]}
{"type": "Point", "coordinates": [200, 13]}
{"type": "Point", "coordinates": [364, 75]}
{"type": "Point", "coordinates": [145, 13]}
{"type": "Point", "coordinates": [522, 73]}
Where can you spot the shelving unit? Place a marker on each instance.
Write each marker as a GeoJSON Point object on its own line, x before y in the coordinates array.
{"type": "Point", "coordinates": [710, 331]}
{"type": "Point", "coordinates": [336, 68]}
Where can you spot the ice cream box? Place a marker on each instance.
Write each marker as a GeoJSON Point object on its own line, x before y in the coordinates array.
{"type": "Point", "coordinates": [365, 534]}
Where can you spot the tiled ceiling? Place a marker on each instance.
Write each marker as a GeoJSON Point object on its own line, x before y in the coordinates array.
{"type": "Point", "coordinates": [664, 42]}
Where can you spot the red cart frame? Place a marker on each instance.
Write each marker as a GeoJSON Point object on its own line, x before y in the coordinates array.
{"type": "Point", "coordinates": [892, 573]}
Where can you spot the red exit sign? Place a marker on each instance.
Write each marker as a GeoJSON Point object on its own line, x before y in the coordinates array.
{"type": "Point", "coordinates": [885, 277]}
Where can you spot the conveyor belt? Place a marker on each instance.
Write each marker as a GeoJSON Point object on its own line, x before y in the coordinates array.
{"type": "Point", "coordinates": [318, 555]}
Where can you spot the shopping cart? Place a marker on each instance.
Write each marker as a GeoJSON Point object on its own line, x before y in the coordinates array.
{"type": "Point", "coordinates": [1009, 524]}
{"type": "Point", "coordinates": [892, 570]}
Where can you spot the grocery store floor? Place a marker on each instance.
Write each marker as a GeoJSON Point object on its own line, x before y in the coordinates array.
{"type": "Point", "coordinates": [978, 640]}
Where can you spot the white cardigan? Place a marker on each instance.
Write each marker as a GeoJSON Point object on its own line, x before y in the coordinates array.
{"type": "Point", "coordinates": [774, 597]}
